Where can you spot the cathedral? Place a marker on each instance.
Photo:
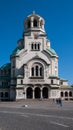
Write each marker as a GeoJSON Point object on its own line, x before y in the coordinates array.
{"type": "Point", "coordinates": [33, 69]}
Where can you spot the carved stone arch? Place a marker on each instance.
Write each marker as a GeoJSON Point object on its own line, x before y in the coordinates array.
{"type": "Point", "coordinates": [42, 63]}
{"type": "Point", "coordinates": [39, 60]}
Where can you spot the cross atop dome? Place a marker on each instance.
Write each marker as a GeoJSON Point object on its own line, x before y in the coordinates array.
{"type": "Point", "coordinates": [33, 12]}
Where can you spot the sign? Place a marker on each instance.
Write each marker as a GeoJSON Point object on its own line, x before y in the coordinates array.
{"type": "Point", "coordinates": [37, 80]}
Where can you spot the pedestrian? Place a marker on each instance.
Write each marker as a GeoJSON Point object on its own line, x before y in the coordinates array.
{"type": "Point", "coordinates": [60, 102]}
{"type": "Point", "coordinates": [57, 101]}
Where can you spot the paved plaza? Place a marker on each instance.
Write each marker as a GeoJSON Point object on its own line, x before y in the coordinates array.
{"type": "Point", "coordinates": [36, 115]}
{"type": "Point", "coordinates": [38, 104]}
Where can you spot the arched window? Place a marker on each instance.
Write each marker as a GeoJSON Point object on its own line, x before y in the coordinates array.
{"type": "Point", "coordinates": [6, 94]}
{"type": "Point", "coordinates": [35, 23]}
{"type": "Point", "coordinates": [35, 46]}
{"type": "Point", "coordinates": [37, 70]}
{"type": "Point", "coordinates": [52, 81]}
{"type": "Point", "coordinates": [1, 94]}
{"type": "Point", "coordinates": [61, 82]}
{"type": "Point", "coordinates": [29, 24]}
{"type": "Point", "coordinates": [21, 81]}
{"type": "Point", "coordinates": [70, 94]}
{"type": "Point", "coordinates": [32, 71]}
{"type": "Point", "coordinates": [32, 46]}
{"type": "Point", "coordinates": [41, 23]}
{"type": "Point", "coordinates": [61, 94]}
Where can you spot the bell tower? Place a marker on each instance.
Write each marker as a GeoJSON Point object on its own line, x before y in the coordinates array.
{"type": "Point", "coordinates": [34, 23]}
{"type": "Point", "coordinates": [34, 33]}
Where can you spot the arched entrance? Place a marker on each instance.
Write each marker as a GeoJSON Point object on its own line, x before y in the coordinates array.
{"type": "Point", "coordinates": [66, 94]}
{"type": "Point", "coordinates": [37, 92]}
{"type": "Point", "coordinates": [61, 94]}
{"type": "Point", "coordinates": [70, 94]}
{"type": "Point", "coordinates": [29, 92]}
{"type": "Point", "coordinates": [45, 92]}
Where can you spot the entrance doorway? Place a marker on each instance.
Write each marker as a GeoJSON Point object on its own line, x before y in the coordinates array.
{"type": "Point", "coordinates": [37, 92]}
{"type": "Point", "coordinates": [29, 92]}
{"type": "Point", "coordinates": [45, 92]}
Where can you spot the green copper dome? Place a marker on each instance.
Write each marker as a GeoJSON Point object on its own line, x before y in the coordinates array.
{"type": "Point", "coordinates": [52, 51]}
{"type": "Point", "coordinates": [16, 50]}
{"type": "Point", "coordinates": [19, 76]}
{"type": "Point", "coordinates": [6, 66]}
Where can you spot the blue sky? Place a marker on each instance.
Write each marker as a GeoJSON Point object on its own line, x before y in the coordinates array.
{"type": "Point", "coordinates": [58, 15]}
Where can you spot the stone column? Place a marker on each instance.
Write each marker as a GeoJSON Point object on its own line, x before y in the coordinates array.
{"type": "Point", "coordinates": [31, 22]}
{"type": "Point", "coordinates": [39, 23]}
{"type": "Point", "coordinates": [64, 94]}
{"type": "Point", "coordinates": [33, 94]}
{"type": "Point", "coordinates": [41, 93]}
{"type": "Point", "coordinates": [42, 26]}
{"type": "Point", "coordinates": [25, 93]}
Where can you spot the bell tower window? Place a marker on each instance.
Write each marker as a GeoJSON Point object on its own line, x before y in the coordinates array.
{"type": "Point", "coordinates": [35, 23]}
{"type": "Point", "coordinates": [35, 46]}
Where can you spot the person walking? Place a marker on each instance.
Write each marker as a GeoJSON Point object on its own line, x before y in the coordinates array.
{"type": "Point", "coordinates": [60, 102]}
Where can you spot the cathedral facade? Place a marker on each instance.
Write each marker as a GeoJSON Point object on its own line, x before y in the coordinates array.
{"type": "Point", "coordinates": [33, 70]}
